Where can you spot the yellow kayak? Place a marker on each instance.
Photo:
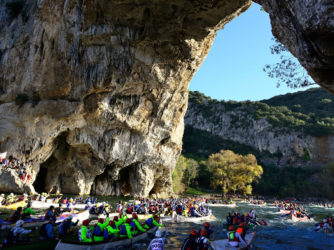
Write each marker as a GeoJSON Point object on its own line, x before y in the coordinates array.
{"type": "Point", "coordinates": [15, 205]}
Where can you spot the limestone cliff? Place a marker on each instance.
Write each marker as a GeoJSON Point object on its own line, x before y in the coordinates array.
{"type": "Point", "coordinates": [279, 135]}
{"type": "Point", "coordinates": [107, 86]}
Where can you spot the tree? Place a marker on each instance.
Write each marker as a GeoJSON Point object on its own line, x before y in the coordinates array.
{"type": "Point", "coordinates": [288, 70]}
{"type": "Point", "coordinates": [232, 172]}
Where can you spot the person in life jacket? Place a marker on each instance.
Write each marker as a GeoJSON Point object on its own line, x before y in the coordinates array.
{"type": "Point", "coordinates": [111, 232]}
{"type": "Point", "coordinates": [46, 230]}
{"type": "Point", "coordinates": [234, 238]}
{"type": "Point", "coordinates": [126, 229]}
{"type": "Point", "coordinates": [28, 211]}
{"type": "Point", "coordinates": [158, 243]}
{"type": "Point", "coordinates": [99, 228]}
{"type": "Point", "coordinates": [85, 233]}
{"type": "Point", "coordinates": [65, 227]}
{"type": "Point", "coordinates": [241, 230]}
{"type": "Point", "coordinates": [118, 222]}
{"type": "Point", "coordinates": [206, 227]}
{"type": "Point", "coordinates": [16, 215]}
{"type": "Point", "coordinates": [190, 243]}
{"type": "Point", "coordinates": [15, 234]}
{"type": "Point", "coordinates": [49, 213]}
{"type": "Point", "coordinates": [136, 222]}
{"type": "Point", "coordinates": [153, 221]}
{"type": "Point", "coordinates": [203, 242]}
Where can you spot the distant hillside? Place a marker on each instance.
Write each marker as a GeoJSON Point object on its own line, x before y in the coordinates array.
{"type": "Point", "coordinates": [288, 130]}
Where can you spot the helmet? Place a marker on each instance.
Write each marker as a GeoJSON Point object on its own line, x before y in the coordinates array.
{"type": "Point", "coordinates": [112, 223]}
{"type": "Point", "coordinates": [206, 224]}
{"type": "Point", "coordinates": [19, 223]}
{"type": "Point", "coordinates": [241, 225]}
{"type": "Point", "coordinates": [134, 215]}
{"type": "Point", "coordinates": [156, 217]}
{"type": "Point", "coordinates": [204, 232]}
{"type": "Point", "coordinates": [128, 220]}
{"type": "Point", "coordinates": [115, 218]}
{"type": "Point", "coordinates": [193, 233]}
{"type": "Point", "coordinates": [85, 223]}
{"type": "Point", "coordinates": [230, 228]}
{"type": "Point", "coordinates": [101, 220]}
{"type": "Point", "coordinates": [158, 233]}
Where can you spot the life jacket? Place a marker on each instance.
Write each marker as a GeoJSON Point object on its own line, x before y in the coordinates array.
{"type": "Point", "coordinates": [123, 230]}
{"type": "Point", "coordinates": [15, 216]}
{"type": "Point", "coordinates": [231, 237]}
{"type": "Point", "coordinates": [133, 225]}
{"type": "Point", "coordinates": [89, 234]}
{"type": "Point", "coordinates": [105, 233]}
{"type": "Point", "coordinates": [157, 244]}
{"type": "Point", "coordinates": [240, 230]}
{"type": "Point", "coordinates": [200, 243]}
{"type": "Point", "coordinates": [149, 222]}
{"type": "Point", "coordinates": [97, 231]}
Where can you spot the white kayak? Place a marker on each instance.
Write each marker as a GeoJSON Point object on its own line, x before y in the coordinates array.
{"type": "Point", "coordinates": [224, 244]}
{"type": "Point", "coordinates": [71, 245]}
{"type": "Point", "coordinates": [45, 205]}
{"type": "Point", "coordinates": [221, 205]}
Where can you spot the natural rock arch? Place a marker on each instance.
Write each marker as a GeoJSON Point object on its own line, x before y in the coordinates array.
{"type": "Point", "coordinates": [113, 80]}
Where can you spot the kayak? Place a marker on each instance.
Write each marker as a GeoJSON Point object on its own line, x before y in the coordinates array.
{"type": "Point", "coordinates": [181, 218]}
{"type": "Point", "coordinates": [15, 205]}
{"type": "Point", "coordinates": [45, 205]}
{"type": "Point", "coordinates": [223, 244]}
{"type": "Point", "coordinates": [75, 245]}
{"type": "Point", "coordinates": [39, 221]}
{"type": "Point", "coordinates": [298, 219]}
{"type": "Point", "coordinates": [221, 205]}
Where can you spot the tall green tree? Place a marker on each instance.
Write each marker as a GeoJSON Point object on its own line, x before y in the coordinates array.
{"type": "Point", "coordinates": [232, 172]}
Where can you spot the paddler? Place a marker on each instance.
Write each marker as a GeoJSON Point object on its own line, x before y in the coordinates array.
{"type": "Point", "coordinates": [16, 232]}
{"type": "Point", "coordinates": [158, 243]}
{"type": "Point", "coordinates": [28, 211]}
{"type": "Point", "coordinates": [49, 213]}
{"type": "Point", "coordinates": [234, 238]}
{"type": "Point", "coordinates": [85, 233]}
{"type": "Point", "coordinates": [65, 227]}
{"type": "Point", "coordinates": [203, 242]}
{"type": "Point", "coordinates": [16, 215]}
{"type": "Point", "coordinates": [111, 231]}
{"type": "Point", "coordinates": [153, 221]}
{"type": "Point", "coordinates": [126, 229]}
{"type": "Point", "coordinates": [136, 223]}
{"type": "Point", "coordinates": [190, 242]}
{"type": "Point", "coordinates": [99, 228]}
{"type": "Point", "coordinates": [206, 227]}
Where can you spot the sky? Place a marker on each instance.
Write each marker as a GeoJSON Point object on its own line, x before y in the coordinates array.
{"type": "Point", "coordinates": [233, 68]}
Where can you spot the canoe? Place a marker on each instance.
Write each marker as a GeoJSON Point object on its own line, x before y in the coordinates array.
{"type": "Point", "coordinates": [221, 205]}
{"type": "Point", "coordinates": [74, 245]}
{"type": "Point", "coordinates": [223, 244]}
{"type": "Point", "coordinates": [45, 205]}
{"type": "Point", "coordinates": [15, 205]}
{"type": "Point", "coordinates": [39, 221]}
{"type": "Point", "coordinates": [181, 218]}
{"type": "Point", "coordinates": [298, 219]}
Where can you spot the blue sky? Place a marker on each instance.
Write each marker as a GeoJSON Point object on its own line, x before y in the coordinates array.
{"type": "Point", "coordinates": [233, 67]}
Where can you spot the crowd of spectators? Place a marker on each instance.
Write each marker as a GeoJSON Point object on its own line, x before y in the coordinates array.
{"type": "Point", "coordinates": [20, 167]}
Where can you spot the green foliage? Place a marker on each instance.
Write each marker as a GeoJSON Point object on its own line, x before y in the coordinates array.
{"type": "Point", "coordinates": [310, 112]}
{"type": "Point", "coordinates": [288, 70]}
{"type": "Point", "coordinates": [184, 175]}
{"type": "Point", "coordinates": [296, 182]}
{"type": "Point", "coordinates": [232, 172]}
{"type": "Point", "coordinates": [15, 8]}
{"type": "Point", "coordinates": [197, 191]}
{"type": "Point", "coordinates": [21, 99]}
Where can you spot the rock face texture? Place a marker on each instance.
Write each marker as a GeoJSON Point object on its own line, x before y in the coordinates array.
{"type": "Point", "coordinates": [306, 28]}
{"type": "Point", "coordinates": [107, 87]}
{"type": "Point", "coordinates": [278, 145]}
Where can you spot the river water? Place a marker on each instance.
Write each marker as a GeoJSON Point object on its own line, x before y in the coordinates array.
{"type": "Point", "coordinates": [281, 233]}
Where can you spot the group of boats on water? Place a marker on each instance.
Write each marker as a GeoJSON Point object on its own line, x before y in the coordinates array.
{"type": "Point", "coordinates": [89, 210]}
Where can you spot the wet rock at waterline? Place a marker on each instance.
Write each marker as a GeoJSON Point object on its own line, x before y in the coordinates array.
{"type": "Point", "coordinates": [107, 83]}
